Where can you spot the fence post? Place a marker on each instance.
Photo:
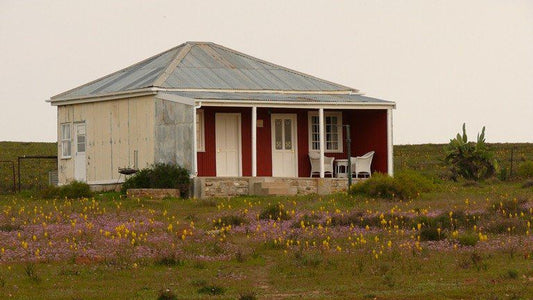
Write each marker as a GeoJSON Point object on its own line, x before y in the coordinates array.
{"type": "Point", "coordinates": [511, 168]}
{"type": "Point", "coordinates": [349, 151]}
{"type": "Point", "coordinates": [18, 167]}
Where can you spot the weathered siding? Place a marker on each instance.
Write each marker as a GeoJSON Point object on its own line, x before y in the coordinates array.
{"type": "Point", "coordinates": [115, 129]}
{"type": "Point", "coordinates": [174, 133]}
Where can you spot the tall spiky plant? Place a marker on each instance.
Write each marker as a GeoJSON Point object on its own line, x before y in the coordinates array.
{"type": "Point", "coordinates": [470, 160]}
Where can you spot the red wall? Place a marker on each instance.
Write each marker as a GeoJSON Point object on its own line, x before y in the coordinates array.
{"type": "Point", "coordinates": [207, 159]}
{"type": "Point", "coordinates": [368, 131]}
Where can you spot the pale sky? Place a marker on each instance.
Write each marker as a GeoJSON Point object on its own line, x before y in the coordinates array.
{"type": "Point", "coordinates": [442, 62]}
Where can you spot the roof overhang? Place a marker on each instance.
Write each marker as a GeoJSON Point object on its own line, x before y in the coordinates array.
{"type": "Point", "coordinates": [56, 101]}
{"type": "Point", "coordinates": [246, 98]}
{"type": "Point", "coordinates": [307, 105]}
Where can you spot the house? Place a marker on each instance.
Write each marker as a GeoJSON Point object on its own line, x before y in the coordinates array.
{"type": "Point", "coordinates": [221, 114]}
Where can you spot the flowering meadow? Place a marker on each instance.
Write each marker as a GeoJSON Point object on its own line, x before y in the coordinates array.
{"type": "Point", "coordinates": [458, 242]}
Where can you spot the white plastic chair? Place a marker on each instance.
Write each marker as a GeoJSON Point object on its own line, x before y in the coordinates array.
{"type": "Point", "coordinates": [314, 158]}
{"type": "Point", "coordinates": [361, 164]}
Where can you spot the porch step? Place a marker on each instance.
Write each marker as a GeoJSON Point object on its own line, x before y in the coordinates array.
{"type": "Point", "coordinates": [272, 188]}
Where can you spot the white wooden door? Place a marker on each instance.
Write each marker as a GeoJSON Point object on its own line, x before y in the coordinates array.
{"type": "Point", "coordinates": [80, 167]}
{"type": "Point", "coordinates": [284, 142]}
{"type": "Point", "coordinates": [228, 144]}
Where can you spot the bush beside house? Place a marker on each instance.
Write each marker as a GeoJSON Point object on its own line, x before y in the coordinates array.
{"type": "Point", "coordinates": [160, 176]}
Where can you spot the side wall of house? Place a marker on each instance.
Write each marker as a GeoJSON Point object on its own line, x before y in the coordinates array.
{"type": "Point", "coordinates": [174, 133]}
{"type": "Point", "coordinates": [115, 131]}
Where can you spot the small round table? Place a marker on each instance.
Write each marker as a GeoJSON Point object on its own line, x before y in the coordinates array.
{"type": "Point", "coordinates": [341, 168]}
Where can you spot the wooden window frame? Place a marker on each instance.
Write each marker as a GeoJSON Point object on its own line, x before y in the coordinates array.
{"type": "Point", "coordinates": [66, 140]}
{"type": "Point", "coordinates": [327, 114]}
{"type": "Point", "coordinates": [200, 130]}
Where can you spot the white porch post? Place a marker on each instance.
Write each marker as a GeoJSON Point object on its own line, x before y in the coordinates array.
{"type": "Point", "coordinates": [390, 166]}
{"type": "Point", "coordinates": [322, 139]}
{"type": "Point", "coordinates": [254, 141]}
{"type": "Point", "coordinates": [194, 144]}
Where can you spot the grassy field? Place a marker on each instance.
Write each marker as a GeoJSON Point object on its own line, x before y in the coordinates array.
{"type": "Point", "coordinates": [427, 158]}
{"type": "Point", "coordinates": [33, 173]}
{"type": "Point", "coordinates": [313, 247]}
{"type": "Point", "coordinates": [461, 241]}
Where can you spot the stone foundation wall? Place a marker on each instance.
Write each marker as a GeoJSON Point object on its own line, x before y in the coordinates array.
{"type": "Point", "coordinates": [207, 187]}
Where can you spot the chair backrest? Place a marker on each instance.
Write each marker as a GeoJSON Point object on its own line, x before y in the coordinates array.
{"type": "Point", "coordinates": [328, 160]}
{"type": "Point", "coordinates": [363, 163]}
{"type": "Point", "coordinates": [314, 158]}
{"type": "Point", "coordinates": [368, 155]}
{"type": "Point", "coordinates": [314, 155]}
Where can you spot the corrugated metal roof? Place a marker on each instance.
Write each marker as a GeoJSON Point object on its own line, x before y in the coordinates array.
{"type": "Point", "coordinates": [279, 97]}
{"type": "Point", "coordinates": [139, 75]}
{"type": "Point", "coordinates": [201, 65]}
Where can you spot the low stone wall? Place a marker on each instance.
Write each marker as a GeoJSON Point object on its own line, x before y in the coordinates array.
{"type": "Point", "coordinates": [153, 193]}
{"type": "Point", "coordinates": [207, 187]}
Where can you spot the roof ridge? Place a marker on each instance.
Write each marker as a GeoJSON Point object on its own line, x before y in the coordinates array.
{"type": "Point", "coordinates": [119, 71]}
{"type": "Point", "coordinates": [282, 67]}
{"type": "Point", "coordinates": [176, 60]}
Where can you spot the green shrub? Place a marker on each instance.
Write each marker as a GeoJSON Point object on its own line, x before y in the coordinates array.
{"type": "Point", "coordinates": [506, 225]}
{"type": "Point", "coordinates": [73, 190]}
{"type": "Point", "coordinates": [233, 220]}
{"type": "Point", "coordinates": [211, 290]}
{"type": "Point", "coordinates": [431, 234]}
{"type": "Point", "coordinates": [273, 212]}
{"type": "Point", "coordinates": [405, 185]}
{"type": "Point", "coordinates": [514, 205]}
{"type": "Point", "coordinates": [470, 160]}
{"type": "Point", "coordinates": [525, 170]}
{"type": "Point", "coordinates": [308, 221]}
{"type": "Point", "coordinates": [49, 192]}
{"type": "Point", "coordinates": [504, 174]}
{"type": "Point", "coordinates": [513, 274]}
{"type": "Point", "coordinates": [166, 294]}
{"type": "Point", "coordinates": [170, 260]}
{"type": "Point", "coordinates": [411, 184]}
{"type": "Point", "coordinates": [527, 184]}
{"type": "Point", "coordinates": [160, 175]}
{"type": "Point", "coordinates": [247, 296]}
{"type": "Point", "coordinates": [468, 239]}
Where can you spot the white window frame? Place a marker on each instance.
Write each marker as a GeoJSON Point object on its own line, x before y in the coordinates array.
{"type": "Point", "coordinates": [66, 140]}
{"type": "Point", "coordinates": [200, 130]}
{"type": "Point", "coordinates": [337, 114]}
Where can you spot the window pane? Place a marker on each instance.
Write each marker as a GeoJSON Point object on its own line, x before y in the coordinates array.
{"type": "Point", "coordinates": [81, 143]}
{"type": "Point", "coordinates": [65, 131]}
{"type": "Point", "coordinates": [81, 147]}
{"type": "Point", "coordinates": [288, 134]}
{"type": "Point", "coordinates": [278, 133]}
{"type": "Point", "coordinates": [65, 147]}
{"type": "Point", "coordinates": [199, 131]}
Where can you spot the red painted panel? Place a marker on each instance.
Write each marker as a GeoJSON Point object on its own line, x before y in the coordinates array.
{"type": "Point", "coordinates": [207, 159]}
{"type": "Point", "coordinates": [264, 144]}
{"type": "Point", "coordinates": [369, 133]}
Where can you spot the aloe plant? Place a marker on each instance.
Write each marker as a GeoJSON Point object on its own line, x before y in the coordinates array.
{"type": "Point", "coordinates": [470, 160]}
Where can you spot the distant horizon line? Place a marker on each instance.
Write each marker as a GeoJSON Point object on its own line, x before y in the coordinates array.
{"type": "Point", "coordinates": [406, 144]}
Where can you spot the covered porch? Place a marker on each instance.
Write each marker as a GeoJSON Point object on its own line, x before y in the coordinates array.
{"type": "Point", "coordinates": [275, 141]}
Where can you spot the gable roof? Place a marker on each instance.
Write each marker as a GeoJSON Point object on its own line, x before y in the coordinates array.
{"type": "Point", "coordinates": [203, 66]}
